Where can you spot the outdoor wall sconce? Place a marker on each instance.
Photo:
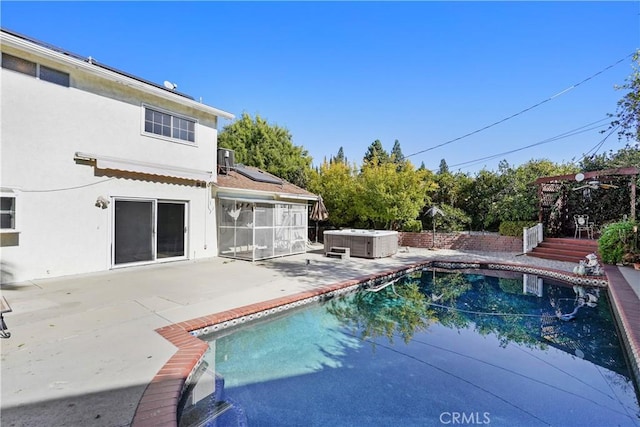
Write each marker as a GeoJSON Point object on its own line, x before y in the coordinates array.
{"type": "Point", "coordinates": [102, 202]}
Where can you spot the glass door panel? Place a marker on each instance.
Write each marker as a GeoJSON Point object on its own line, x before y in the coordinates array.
{"type": "Point", "coordinates": [171, 229]}
{"type": "Point", "coordinates": [133, 231]}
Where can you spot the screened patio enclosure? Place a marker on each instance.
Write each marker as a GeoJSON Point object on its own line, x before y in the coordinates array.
{"type": "Point", "coordinates": [252, 229]}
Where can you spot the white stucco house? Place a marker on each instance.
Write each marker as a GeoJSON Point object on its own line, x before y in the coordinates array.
{"type": "Point", "coordinates": [99, 169]}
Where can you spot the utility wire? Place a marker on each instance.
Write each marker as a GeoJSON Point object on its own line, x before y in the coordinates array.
{"type": "Point", "coordinates": [599, 145]}
{"type": "Point", "coordinates": [582, 129]}
{"type": "Point", "coordinates": [495, 156]}
{"type": "Point", "coordinates": [52, 190]}
{"type": "Point", "coordinates": [522, 111]}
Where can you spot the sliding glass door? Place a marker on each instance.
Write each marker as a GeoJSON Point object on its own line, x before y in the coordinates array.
{"type": "Point", "coordinates": [133, 231]}
{"type": "Point", "coordinates": [171, 229]}
{"type": "Point", "coordinates": [147, 230]}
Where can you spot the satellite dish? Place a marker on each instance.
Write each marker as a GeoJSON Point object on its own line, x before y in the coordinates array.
{"type": "Point", "coordinates": [169, 85]}
{"type": "Point", "coordinates": [580, 177]}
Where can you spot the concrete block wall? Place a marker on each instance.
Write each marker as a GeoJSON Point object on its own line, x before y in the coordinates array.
{"type": "Point", "coordinates": [461, 241]}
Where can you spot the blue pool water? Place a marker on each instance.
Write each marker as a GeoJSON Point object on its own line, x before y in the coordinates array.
{"type": "Point", "coordinates": [431, 349]}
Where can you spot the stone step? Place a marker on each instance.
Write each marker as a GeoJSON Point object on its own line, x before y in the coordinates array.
{"type": "Point", "coordinates": [557, 257]}
{"type": "Point", "coordinates": [565, 249]}
{"type": "Point", "coordinates": [578, 243]}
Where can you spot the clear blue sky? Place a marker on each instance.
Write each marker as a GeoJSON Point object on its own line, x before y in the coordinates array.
{"type": "Point", "coordinates": [347, 73]}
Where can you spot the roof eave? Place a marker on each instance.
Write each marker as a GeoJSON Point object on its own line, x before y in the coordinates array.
{"type": "Point", "coordinates": [31, 47]}
{"type": "Point", "coordinates": [217, 189]}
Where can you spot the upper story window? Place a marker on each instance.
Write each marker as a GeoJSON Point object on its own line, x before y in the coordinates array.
{"type": "Point", "coordinates": [33, 69]}
{"type": "Point", "coordinates": [169, 126]}
{"type": "Point", "coordinates": [8, 211]}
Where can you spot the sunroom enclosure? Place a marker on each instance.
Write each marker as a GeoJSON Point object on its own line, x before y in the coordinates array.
{"type": "Point", "coordinates": [252, 229]}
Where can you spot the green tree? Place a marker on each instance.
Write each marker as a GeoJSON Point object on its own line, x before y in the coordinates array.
{"type": "Point", "coordinates": [627, 117]}
{"type": "Point", "coordinates": [446, 193]}
{"type": "Point", "coordinates": [388, 197]}
{"type": "Point", "coordinates": [375, 154]}
{"type": "Point", "coordinates": [268, 147]}
{"type": "Point", "coordinates": [485, 193]}
{"type": "Point", "coordinates": [444, 168]}
{"type": "Point", "coordinates": [336, 183]}
{"type": "Point", "coordinates": [518, 196]}
{"type": "Point", "coordinates": [339, 157]}
{"type": "Point", "coordinates": [397, 157]}
{"type": "Point", "coordinates": [625, 157]}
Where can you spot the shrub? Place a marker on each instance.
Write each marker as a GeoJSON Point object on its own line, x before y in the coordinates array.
{"type": "Point", "coordinates": [414, 226]}
{"type": "Point", "coordinates": [616, 241]}
{"type": "Point", "coordinates": [514, 228]}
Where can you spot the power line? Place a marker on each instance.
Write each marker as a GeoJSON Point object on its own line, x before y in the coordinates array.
{"type": "Point", "coordinates": [522, 111]}
{"type": "Point", "coordinates": [599, 144]}
{"type": "Point", "coordinates": [582, 129]}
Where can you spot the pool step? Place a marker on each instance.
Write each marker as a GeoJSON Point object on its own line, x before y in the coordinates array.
{"type": "Point", "coordinates": [569, 250]}
{"type": "Point", "coordinates": [338, 252]}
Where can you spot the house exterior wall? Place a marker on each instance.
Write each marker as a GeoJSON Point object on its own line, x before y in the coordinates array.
{"type": "Point", "coordinates": [43, 125]}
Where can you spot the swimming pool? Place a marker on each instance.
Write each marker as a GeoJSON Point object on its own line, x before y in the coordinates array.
{"type": "Point", "coordinates": [431, 348]}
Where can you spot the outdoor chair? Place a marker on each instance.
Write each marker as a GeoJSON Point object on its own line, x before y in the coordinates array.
{"type": "Point", "coordinates": [582, 224]}
{"type": "Point", "coordinates": [4, 308]}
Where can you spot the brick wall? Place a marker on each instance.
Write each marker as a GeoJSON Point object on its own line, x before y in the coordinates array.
{"type": "Point", "coordinates": [461, 241]}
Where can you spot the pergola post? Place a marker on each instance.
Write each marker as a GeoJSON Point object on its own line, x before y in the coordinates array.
{"type": "Point", "coordinates": [634, 178]}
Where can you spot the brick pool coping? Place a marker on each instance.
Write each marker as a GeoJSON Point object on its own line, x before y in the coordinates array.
{"type": "Point", "coordinates": [160, 401]}
{"type": "Point", "coordinates": [627, 312]}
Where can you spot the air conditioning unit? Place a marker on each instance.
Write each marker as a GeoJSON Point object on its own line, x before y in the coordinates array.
{"type": "Point", "coordinates": [226, 160]}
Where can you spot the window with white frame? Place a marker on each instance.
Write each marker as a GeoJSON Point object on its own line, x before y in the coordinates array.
{"type": "Point", "coordinates": [33, 69]}
{"type": "Point", "coordinates": [168, 125]}
{"type": "Point", "coordinates": [7, 212]}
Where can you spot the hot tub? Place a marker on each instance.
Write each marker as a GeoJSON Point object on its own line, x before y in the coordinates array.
{"type": "Point", "coordinates": [363, 243]}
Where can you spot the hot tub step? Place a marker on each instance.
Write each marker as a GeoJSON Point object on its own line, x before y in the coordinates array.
{"type": "Point", "coordinates": [338, 252]}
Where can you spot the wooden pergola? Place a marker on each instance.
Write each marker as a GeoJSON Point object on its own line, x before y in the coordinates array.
{"type": "Point", "coordinates": [549, 186]}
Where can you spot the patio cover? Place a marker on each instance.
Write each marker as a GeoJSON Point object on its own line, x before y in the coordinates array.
{"type": "Point", "coordinates": [127, 165]}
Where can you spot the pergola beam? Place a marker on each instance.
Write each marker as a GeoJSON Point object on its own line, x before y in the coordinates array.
{"type": "Point", "coordinates": [628, 171]}
{"type": "Point", "coordinates": [587, 175]}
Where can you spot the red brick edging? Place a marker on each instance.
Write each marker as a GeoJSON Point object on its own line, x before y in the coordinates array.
{"type": "Point", "coordinates": [158, 406]}
{"type": "Point", "coordinates": [626, 309]}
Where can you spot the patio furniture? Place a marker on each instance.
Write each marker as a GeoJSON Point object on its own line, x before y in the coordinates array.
{"type": "Point", "coordinates": [582, 224]}
{"type": "Point", "coordinates": [4, 308]}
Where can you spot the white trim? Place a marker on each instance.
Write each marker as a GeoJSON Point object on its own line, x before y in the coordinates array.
{"type": "Point", "coordinates": [106, 162]}
{"type": "Point", "coordinates": [27, 46]}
